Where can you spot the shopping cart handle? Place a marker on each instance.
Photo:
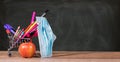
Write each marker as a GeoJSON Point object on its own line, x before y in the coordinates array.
{"type": "Point", "coordinates": [46, 11]}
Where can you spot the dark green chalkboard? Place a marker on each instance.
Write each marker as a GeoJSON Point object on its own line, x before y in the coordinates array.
{"type": "Point", "coordinates": [78, 24]}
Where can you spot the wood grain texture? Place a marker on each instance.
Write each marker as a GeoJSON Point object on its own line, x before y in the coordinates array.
{"type": "Point", "coordinates": [64, 56]}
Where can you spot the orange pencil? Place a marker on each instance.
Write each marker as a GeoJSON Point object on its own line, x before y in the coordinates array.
{"type": "Point", "coordinates": [29, 28]}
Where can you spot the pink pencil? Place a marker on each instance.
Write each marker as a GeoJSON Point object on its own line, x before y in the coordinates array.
{"type": "Point", "coordinates": [30, 28]}
{"type": "Point", "coordinates": [33, 17]}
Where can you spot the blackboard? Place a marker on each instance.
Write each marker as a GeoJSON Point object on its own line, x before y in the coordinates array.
{"type": "Point", "coordinates": [78, 25]}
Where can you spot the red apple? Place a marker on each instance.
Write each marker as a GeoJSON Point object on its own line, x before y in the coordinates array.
{"type": "Point", "coordinates": [27, 50]}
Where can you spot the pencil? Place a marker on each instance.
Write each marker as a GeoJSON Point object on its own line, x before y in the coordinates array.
{"type": "Point", "coordinates": [16, 31]}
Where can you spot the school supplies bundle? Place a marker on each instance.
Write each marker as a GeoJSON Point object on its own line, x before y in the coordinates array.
{"type": "Point", "coordinates": [39, 28]}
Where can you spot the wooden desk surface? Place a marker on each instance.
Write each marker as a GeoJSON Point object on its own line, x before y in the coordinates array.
{"type": "Point", "coordinates": [64, 56]}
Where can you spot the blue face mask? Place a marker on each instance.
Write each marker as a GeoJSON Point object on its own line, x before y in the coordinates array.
{"type": "Point", "coordinates": [46, 37]}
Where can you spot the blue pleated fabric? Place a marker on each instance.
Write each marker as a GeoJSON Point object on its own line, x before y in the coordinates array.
{"type": "Point", "coordinates": [46, 37]}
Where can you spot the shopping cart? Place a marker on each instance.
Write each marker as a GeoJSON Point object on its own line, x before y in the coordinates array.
{"type": "Point", "coordinates": [16, 39]}
{"type": "Point", "coordinates": [14, 42]}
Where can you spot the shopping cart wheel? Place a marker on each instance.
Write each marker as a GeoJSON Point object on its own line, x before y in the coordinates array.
{"type": "Point", "coordinates": [9, 54]}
